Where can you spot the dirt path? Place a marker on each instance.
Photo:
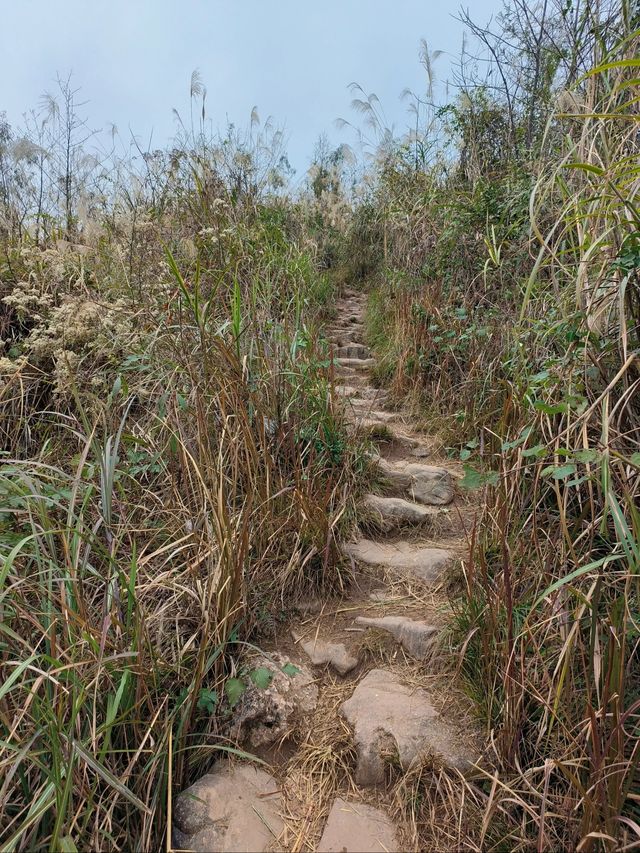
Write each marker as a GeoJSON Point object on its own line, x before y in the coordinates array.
{"type": "Point", "coordinates": [368, 703]}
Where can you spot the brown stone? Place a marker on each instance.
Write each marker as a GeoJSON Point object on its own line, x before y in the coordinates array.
{"type": "Point", "coordinates": [424, 563]}
{"type": "Point", "coordinates": [230, 809]}
{"type": "Point", "coordinates": [414, 636]}
{"type": "Point", "coordinates": [425, 483]}
{"type": "Point", "coordinates": [357, 828]}
{"type": "Point", "coordinates": [386, 714]}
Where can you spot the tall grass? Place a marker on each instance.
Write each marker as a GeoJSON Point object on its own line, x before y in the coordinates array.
{"type": "Point", "coordinates": [174, 475]}
{"type": "Point", "coordinates": [513, 317]}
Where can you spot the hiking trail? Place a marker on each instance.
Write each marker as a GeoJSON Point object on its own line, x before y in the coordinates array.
{"type": "Point", "coordinates": [357, 695]}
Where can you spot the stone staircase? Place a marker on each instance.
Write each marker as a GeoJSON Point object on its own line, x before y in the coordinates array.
{"type": "Point", "coordinates": [410, 538]}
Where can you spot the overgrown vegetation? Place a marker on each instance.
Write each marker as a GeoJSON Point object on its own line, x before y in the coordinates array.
{"type": "Point", "coordinates": [506, 304]}
{"type": "Point", "coordinates": [174, 472]}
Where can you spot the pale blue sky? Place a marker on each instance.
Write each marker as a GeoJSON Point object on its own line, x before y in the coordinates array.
{"type": "Point", "coordinates": [294, 60]}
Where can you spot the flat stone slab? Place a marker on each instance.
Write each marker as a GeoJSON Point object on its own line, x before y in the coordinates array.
{"type": "Point", "coordinates": [353, 350]}
{"type": "Point", "coordinates": [413, 635]}
{"type": "Point", "coordinates": [391, 513]}
{"type": "Point", "coordinates": [357, 828]}
{"type": "Point", "coordinates": [347, 390]}
{"type": "Point", "coordinates": [356, 363]}
{"type": "Point", "coordinates": [386, 715]}
{"type": "Point", "coordinates": [336, 655]}
{"type": "Point", "coordinates": [230, 809]}
{"type": "Point", "coordinates": [424, 563]}
{"type": "Point", "coordinates": [428, 484]}
{"type": "Point", "coordinates": [363, 411]}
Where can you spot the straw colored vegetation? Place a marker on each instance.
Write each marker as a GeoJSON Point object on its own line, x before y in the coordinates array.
{"type": "Point", "coordinates": [177, 472]}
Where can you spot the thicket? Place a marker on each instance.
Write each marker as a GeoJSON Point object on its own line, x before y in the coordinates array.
{"type": "Point", "coordinates": [504, 235]}
{"type": "Point", "coordinates": [173, 472]}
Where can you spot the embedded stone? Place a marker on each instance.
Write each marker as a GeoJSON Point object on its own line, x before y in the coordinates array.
{"type": "Point", "coordinates": [230, 809]}
{"type": "Point", "coordinates": [363, 412]}
{"type": "Point", "coordinates": [390, 513]}
{"type": "Point", "coordinates": [424, 563]}
{"type": "Point", "coordinates": [389, 717]}
{"type": "Point", "coordinates": [337, 655]}
{"type": "Point", "coordinates": [357, 828]}
{"type": "Point", "coordinates": [265, 715]}
{"type": "Point", "coordinates": [347, 390]}
{"type": "Point", "coordinates": [356, 363]}
{"type": "Point", "coordinates": [414, 636]}
{"type": "Point", "coordinates": [353, 350]}
{"type": "Point", "coordinates": [425, 483]}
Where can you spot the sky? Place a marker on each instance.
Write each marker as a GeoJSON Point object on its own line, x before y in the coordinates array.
{"type": "Point", "coordinates": [293, 59]}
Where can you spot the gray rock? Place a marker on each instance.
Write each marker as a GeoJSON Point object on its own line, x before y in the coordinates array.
{"type": "Point", "coordinates": [230, 809]}
{"type": "Point", "coordinates": [322, 652]}
{"type": "Point", "coordinates": [356, 828]}
{"type": "Point", "coordinates": [391, 513]}
{"type": "Point", "coordinates": [387, 715]}
{"type": "Point", "coordinates": [422, 451]}
{"type": "Point", "coordinates": [425, 483]}
{"type": "Point", "coordinates": [264, 716]}
{"type": "Point", "coordinates": [413, 635]}
{"type": "Point", "coordinates": [424, 563]}
{"type": "Point", "coordinates": [347, 390]}
{"type": "Point", "coordinates": [365, 414]}
{"type": "Point", "coordinates": [356, 363]}
{"type": "Point", "coordinates": [353, 350]}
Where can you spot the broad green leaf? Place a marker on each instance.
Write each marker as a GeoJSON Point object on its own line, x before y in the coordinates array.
{"type": "Point", "coordinates": [290, 669]}
{"type": "Point", "coordinates": [207, 700]}
{"type": "Point", "coordinates": [234, 688]}
{"type": "Point", "coordinates": [261, 677]}
{"type": "Point", "coordinates": [555, 409]}
{"type": "Point", "coordinates": [586, 455]}
{"type": "Point", "coordinates": [559, 472]}
{"type": "Point", "coordinates": [476, 479]}
{"type": "Point", "coordinates": [538, 450]}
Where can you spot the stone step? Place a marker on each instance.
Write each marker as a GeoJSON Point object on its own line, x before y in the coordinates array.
{"type": "Point", "coordinates": [427, 564]}
{"type": "Point", "coordinates": [356, 363]}
{"type": "Point", "coordinates": [385, 712]}
{"type": "Point", "coordinates": [362, 390]}
{"type": "Point", "coordinates": [365, 405]}
{"type": "Point", "coordinates": [353, 350]}
{"type": "Point", "coordinates": [345, 339]}
{"type": "Point", "coordinates": [414, 636]}
{"type": "Point", "coordinates": [231, 808]}
{"type": "Point", "coordinates": [324, 652]}
{"type": "Point", "coordinates": [388, 514]}
{"type": "Point", "coordinates": [357, 828]}
{"type": "Point", "coordinates": [365, 414]}
{"type": "Point", "coordinates": [428, 484]}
